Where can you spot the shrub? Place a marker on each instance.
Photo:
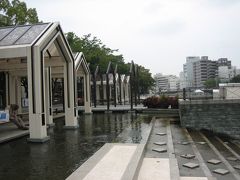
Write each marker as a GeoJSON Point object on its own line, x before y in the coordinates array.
{"type": "Point", "coordinates": [161, 102]}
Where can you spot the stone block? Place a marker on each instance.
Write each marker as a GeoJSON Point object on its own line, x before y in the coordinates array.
{"type": "Point", "coordinates": [191, 165]}
{"type": "Point", "coordinates": [221, 171]}
{"type": "Point", "coordinates": [187, 156]}
{"type": "Point", "coordinates": [160, 150]}
{"type": "Point", "coordinates": [214, 161]}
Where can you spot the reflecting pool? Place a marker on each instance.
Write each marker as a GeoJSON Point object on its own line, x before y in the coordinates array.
{"type": "Point", "coordinates": [68, 149]}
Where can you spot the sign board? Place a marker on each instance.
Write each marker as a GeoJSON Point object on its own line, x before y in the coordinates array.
{"type": "Point", "coordinates": [4, 116]}
{"type": "Point", "coordinates": [24, 102]}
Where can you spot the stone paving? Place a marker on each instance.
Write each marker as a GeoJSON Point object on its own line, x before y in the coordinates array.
{"type": "Point", "coordinates": [196, 158]}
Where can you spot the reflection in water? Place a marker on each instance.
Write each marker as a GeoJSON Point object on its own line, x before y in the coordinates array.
{"type": "Point", "coordinates": [68, 149]}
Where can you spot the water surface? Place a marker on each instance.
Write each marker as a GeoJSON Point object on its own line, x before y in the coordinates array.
{"type": "Point", "coordinates": [68, 149]}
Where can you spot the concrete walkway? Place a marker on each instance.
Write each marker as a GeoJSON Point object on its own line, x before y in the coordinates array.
{"type": "Point", "coordinates": [169, 153]}
{"type": "Point", "coordinates": [118, 108]}
{"type": "Point", "coordinates": [9, 131]}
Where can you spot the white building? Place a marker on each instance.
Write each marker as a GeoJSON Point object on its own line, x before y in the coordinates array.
{"type": "Point", "coordinates": [173, 83]}
{"type": "Point", "coordinates": [188, 70]}
{"type": "Point", "coordinates": [224, 73]}
{"type": "Point", "coordinates": [182, 80]}
{"type": "Point", "coordinates": [166, 82]}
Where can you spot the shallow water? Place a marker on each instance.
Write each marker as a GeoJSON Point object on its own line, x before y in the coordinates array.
{"type": "Point", "coordinates": [68, 149]}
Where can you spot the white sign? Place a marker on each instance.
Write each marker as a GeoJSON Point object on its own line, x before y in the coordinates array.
{"type": "Point", "coordinates": [4, 116]}
{"type": "Point", "coordinates": [24, 102]}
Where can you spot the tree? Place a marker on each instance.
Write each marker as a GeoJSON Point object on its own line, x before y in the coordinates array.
{"type": "Point", "coordinates": [97, 53]}
{"type": "Point", "coordinates": [211, 83]}
{"type": "Point", "coordinates": [235, 79]}
{"type": "Point", "coordinates": [16, 12]}
{"type": "Point", "coordinates": [145, 80]}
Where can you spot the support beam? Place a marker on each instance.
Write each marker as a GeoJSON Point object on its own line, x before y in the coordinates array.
{"type": "Point", "coordinates": [36, 79]}
{"type": "Point", "coordinates": [7, 89]}
{"type": "Point", "coordinates": [108, 91]}
{"type": "Point", "coordinates": [19, 93]}
{"type": "Point", "coordinates": [12, 89]}
{"type": "Point", "coordinates": [69, 94]}
{"type": "Point", "coordinates": [87, 103]}
{"type": "Point", "coordinates": [102, 91]}
{"type": "Point", "coordinates": [120, 89]}
{"type": "Point", "coordinates": [48, 97]}
{"type": "Point", "coordinates": [114, 89]}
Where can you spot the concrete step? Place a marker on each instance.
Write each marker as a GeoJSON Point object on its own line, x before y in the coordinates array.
{"type": "Point", "coordinates": [193, 178]}
{"type": "Point", "coordinates": [112, 161]}
{"type": "Point", "coordinates": [155, 168]}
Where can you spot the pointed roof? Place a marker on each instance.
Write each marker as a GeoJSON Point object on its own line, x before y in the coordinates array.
{"type": "Point", "coordinates": [81, 60]}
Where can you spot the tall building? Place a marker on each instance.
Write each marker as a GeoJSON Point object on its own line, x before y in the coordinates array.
{"type": "Point", "coordinates": [204, 69]}
{"type": "Point", "coordinates": [166, 82]}
{"type": "Point", "coordinates": [197, 70]}
{"type": "Point", "coordinates": [188, 70]}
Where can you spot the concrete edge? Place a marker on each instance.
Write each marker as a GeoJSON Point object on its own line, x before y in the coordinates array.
{"type": "Point", "coordinates": [34, 140]}
{"type": "Point", "coordinates": [14, 137]}
{"type": "Point", "coordinates": [135, 164]}
{"type": "Point", "coordinates": [70, 127]}
{"type": "Point", "coordinates": [88, 165]}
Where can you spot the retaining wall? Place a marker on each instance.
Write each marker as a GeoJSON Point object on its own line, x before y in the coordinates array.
{"type": "Point", "coordinates": [219, 116]}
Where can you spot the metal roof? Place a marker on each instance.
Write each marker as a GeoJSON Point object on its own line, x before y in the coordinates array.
{"type": "Point", "coordinates": [20, 34]}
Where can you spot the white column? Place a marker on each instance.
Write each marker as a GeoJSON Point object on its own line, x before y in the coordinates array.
{"type": "Point", "coordinates": [117, 91]}
{"type": "Point", "coordinates": [48, 97]}
{"type": "Point", "coordinates": [127, 89]}
{"type": "Point", "coordinates": [97, 92]}
{"type": "Point", "coordinates": [122, 92]}
{"type": "Point", "coordinates": [87, 103]}
{"type": "Point", "coordinates": [104, 92]}
{"type": "Point", "coordinates": [19, 93]}
{"type": "Point", "coordinates": [69, 92]}
{"type": "Point", "coordinates": [37, 121]}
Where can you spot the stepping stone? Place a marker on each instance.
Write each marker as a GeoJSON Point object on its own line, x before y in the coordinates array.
{"type": "Point", "coordinates": [221, 171]}
{"type": "Point", "coordinates": [188, 156]}
{"type": "Point", "coordinates": [161, 143]}
{"type": "Point", "coordinates": [214, 161]}
{"type": "Point", "coordinates": [161, 134]}
{"type": "Point", "coordinates": [202, 143]}
{"type": "Point", "coordinates": [184, 143]}
{"type": "Point", "coordinates": [160, 150]}
{"type": "Point", "coordinates": [191, 165]}
{"type": "Point", "coordinates": [237, 167]}
{"type": "Point", "coordinates": [232, 159]}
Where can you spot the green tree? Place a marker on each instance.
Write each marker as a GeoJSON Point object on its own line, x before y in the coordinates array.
{"type": "Point", "coordinates": [235, 79]}
{"type": "Point", "coordinates": [211, 83]}
{"type": "Point", "coordinates": [146, 81]}
{"type": "Point", "coordinates": [97, 53]}
{"type": "Point", "coordinates": [16, 12]}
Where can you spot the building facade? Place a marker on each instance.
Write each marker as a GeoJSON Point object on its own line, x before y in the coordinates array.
{"type": "Point", "coordinates": [197, 70]}
{"type": "Point", "coordinates": [166, 82]}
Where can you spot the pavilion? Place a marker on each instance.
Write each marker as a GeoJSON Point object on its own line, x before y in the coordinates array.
{"type": "Point", "coordinates": [38, 52]}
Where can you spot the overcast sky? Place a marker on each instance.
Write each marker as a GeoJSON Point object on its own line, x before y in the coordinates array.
{"type": "Point", "coordinates": [157, 34]}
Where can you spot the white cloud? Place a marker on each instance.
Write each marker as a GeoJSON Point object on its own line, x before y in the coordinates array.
{"type": "Point", "coordinates": [158, 34]}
